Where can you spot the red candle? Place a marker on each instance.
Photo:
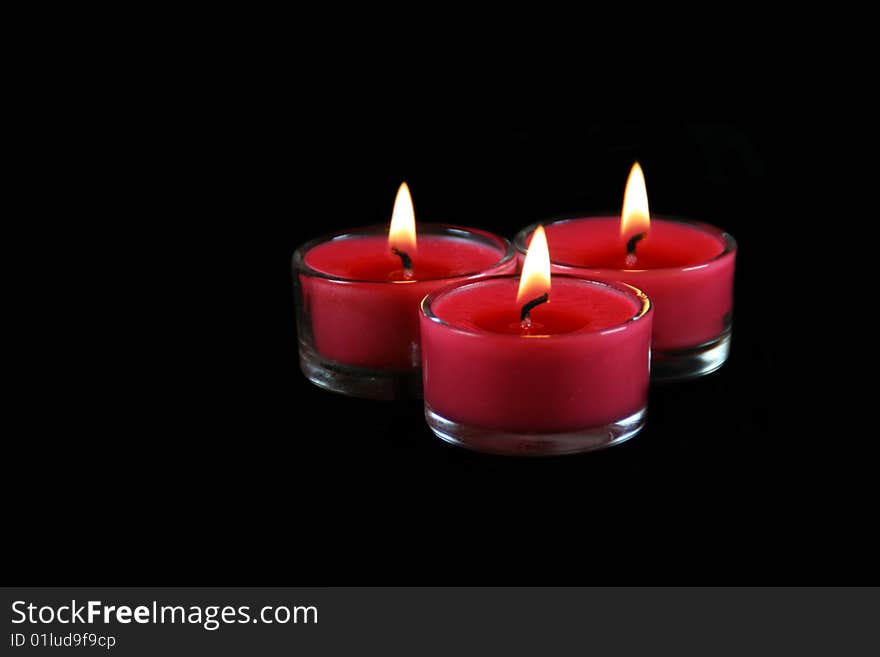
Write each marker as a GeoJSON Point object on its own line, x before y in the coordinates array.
{"type": "Point", "coordinates": [358, 296]}
{"type": "Point", "coordinates": [686, 268]}
{"type": "Point", "coordinates": [517, 366]}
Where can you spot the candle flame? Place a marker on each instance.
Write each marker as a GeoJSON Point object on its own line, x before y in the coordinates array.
{"type": "Point", "coordinates": [402, 234]}
{"type": "Point", "coordinates": [635, 218]}
{"type": "Point", "coordinates": [535, 278]}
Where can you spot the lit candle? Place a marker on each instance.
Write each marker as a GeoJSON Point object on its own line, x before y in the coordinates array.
{"type": "Point", "coordinates": [685, 267]}
{"type": "Point", "coordinates": [358, 296]}
{"type": "Point", "coordinates": [530, 366]}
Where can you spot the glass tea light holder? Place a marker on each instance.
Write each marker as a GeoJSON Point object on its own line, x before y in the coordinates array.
{"type": "Point", "coordinates": [685, 267]}
{"type": "Point", "coordinates": [358, 292]}
{"type": "Point", "coordinates": [517, 366]}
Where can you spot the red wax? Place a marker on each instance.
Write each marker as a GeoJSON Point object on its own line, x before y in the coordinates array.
{"type": "Point", "coordinates": [363, 310]}
{"type": "Point", "coordinates": [584, 362]}
{"type": "Point", "coordinates": [685, 268]}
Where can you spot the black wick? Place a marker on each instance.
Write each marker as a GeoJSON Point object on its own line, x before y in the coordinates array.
{"type": "Point", "coordinates": [526, 309]}
{"type": "Point", "coordinates": [631, 243]}
{"type": "Point", "coordinates": [404, 258]}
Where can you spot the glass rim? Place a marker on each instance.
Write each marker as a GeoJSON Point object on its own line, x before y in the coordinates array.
{"type": "Point", "coordinates": [646, 307]}
{"type": "Point", "coordinates": [730, 245]}
{"type": "Point", "coordinates": [300, 265]}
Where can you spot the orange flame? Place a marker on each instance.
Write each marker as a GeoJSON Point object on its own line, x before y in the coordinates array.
{"type": "Point", "coordinates": [635, 217]}
{"type": "Point", "coordinates": [535, 278]}
{"type": "Point", "coordinates": [402, 234]}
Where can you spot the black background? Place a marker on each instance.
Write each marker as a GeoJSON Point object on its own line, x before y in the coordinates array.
{"type": "Point", "coordinates": [169, 437]}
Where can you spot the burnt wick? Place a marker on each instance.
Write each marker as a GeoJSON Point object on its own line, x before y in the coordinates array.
{"type": "Point", "coordinates": [632, 241]}
{"type": "Point", "coordinates": [527, 308]}
{"type": "Point", "coordinates": [405, 260]}
{"type": "Point", "coordinates": [631, 259]}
